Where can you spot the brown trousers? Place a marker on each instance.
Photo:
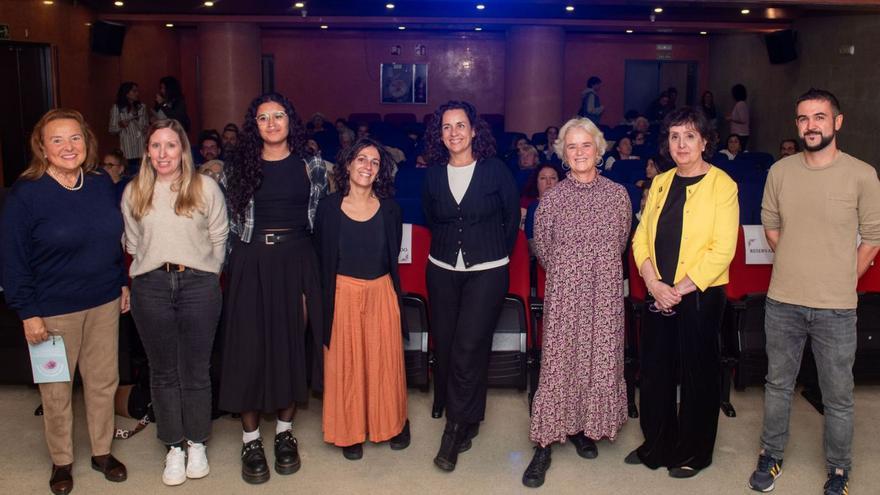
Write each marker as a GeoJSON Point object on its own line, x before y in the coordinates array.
{"type": "Point", "coordinates": [364, 371]}
{"type": "Point", "coordinates": [91, 339]}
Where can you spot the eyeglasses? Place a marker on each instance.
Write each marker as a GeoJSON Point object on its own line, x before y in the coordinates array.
{"type": "Point", "coordinates": [108, 164]}
{"type": "Point", "coordinates": [263, 118]}
{"type": "Point", "coordinates": [665, 312]}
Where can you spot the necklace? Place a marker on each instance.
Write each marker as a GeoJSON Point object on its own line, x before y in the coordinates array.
{"type": "Point", "coordinates": [76, 185]}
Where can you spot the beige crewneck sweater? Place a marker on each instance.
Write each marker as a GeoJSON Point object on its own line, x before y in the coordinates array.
{"type": "Point", "coordinates": [162, 237]}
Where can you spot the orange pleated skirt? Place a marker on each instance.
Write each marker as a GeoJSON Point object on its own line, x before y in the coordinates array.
{"type": "Point", "coordinates": [364, 372]}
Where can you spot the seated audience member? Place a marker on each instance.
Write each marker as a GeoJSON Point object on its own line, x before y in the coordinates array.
{"type": "Point", "coordinates": [734, 147]}
{"type": "Point", "coordinates": [629, 118]}
{"type": "Point", "coordinates": [622, 151]}
{"type": "Point", "coordinates": [209, 145]}
{"type": "Point", "coordinates": [318, 123]}
{"type": "Point", "coordinates": [544, 178]}
{"type": "Point", "coordinates": [346, 138]}
{"type": "Point", "coordinates": [548, 154]}
{"type": "Point", "coordinates": [652, 168]}
{"type": "Point", "coordinates": [363, 130]}
{"type": "Point", "coordinates": [527, 157]}
{"type": "Point", "coordinates": [641, 131]}
{"type": "Point", "coordinates": [113, 165]}
{"type": "Point", "coordinates": [214, 170]}
{"type": "Point", "coordinates": [645, 186]}
{"type": "Point", "coordinates": [788, 147]}
{"type": "Point", "coordinates": [229, 138]}
{"type": "Point", "coordinates": [660, 107]}
{"type": "Point", "coordinates": [315, 150]}
{"type": "Point", "coordinates": [341, 125]}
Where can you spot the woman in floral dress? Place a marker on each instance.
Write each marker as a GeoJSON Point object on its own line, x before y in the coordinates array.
{"type": "Point", "coordinates": [581, 230]}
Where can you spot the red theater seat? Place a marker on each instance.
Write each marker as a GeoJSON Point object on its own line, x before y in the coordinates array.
{"type": "Point", "coordinates": [415, 309]}
{"type": "Point", "coordinates": [508, 363]}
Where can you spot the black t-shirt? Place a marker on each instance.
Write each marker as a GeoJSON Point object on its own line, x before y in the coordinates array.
{"type": "Point", "coordinates": [362, 250]}
{"type": "Point", "coordinates": [282, 200]}
{"type": "Point", "coordinates": [667, 243]}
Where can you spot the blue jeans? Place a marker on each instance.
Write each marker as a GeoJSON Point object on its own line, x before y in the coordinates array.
{"type": "Point", "coordinates": [833, 336]}
{"type": "Point", "coordinates": [176, 314]}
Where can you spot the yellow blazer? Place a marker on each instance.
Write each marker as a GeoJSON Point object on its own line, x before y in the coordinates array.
{"type": "Point", "coordinates": [710, 224]}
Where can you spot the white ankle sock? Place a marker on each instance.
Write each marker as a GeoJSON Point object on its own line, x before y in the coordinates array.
{"type": "Point", "coordinates": [250, 436]}
{"type": "Point", "coordinates": [282, 426]}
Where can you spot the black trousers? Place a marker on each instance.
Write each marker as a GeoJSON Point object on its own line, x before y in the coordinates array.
{"type": "Point", "coordinates": [682, 348]}
{"type": "Point", "coordinates": [464, 313]}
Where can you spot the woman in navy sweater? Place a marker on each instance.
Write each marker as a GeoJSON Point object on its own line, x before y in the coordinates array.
{"type": "Point", "coordinates": [471, 205]}
{"type": "Point", "coordinates": [63, 272]}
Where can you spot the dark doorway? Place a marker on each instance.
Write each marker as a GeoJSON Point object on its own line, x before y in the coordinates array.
{"type": "Point", "coordinates": [645, 79]}
{"type": "Point", "coordinates": [25, 95]}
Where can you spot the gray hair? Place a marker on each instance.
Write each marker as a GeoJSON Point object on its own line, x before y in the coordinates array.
{"type": "Point", "coordinates": [580, 123]}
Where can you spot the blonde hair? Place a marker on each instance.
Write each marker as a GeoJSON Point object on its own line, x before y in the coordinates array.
{"type": "Point", "coordinates": [580, 123]}
{"type": "Point", "coordinates": [188, 184]}
{"type": "Point", "coordinates": [39, 164]}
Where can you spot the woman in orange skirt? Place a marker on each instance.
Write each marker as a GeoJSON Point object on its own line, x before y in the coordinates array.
{"type": "Point", "coordinates": [357, 234]}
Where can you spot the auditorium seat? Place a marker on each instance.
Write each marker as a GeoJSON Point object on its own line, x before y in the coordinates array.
{"type": "Point", "coordinates": [508, 362]}
{"type": "Point", "coordinates": [867, 365]}
{"type": "Point", "coordinates": [536, 305]}
{"type": "Point", "coordinates": [415, 309]}
{"type": "Point", "coordinates": [635, 311]}
{"type": "Point", "coordinates": [495, 121]}
{"type": "Point", "coordinates": [369, 117]}
{"type": "Point", "coordinates": [399, 119]}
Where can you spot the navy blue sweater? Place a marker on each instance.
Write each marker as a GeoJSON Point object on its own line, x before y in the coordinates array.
{"type": "Point", "coordinates": [61, 250]}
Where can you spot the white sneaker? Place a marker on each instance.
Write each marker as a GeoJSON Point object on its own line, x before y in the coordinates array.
{"type": "Point", "coordinates": [196, 460]}
{"type": "Point", "coordinates": [175, 467]}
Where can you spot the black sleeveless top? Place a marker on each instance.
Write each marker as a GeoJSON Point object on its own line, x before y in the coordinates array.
{"type": "Point", "coordinates": [282, 200]}
{"type": "Point", "coordinates": [667, 243]}
{"type": "Point", "coordinates": [362, 250]}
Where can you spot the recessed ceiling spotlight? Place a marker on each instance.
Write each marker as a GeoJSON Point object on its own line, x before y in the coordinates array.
{"type": "Point", "coordinates": [744, 11]}
{"type": "Point", "coordinates": [209, 4]}
{"type": "Point", "coordinates": [629, 31]}
{"type": "Point", "coordinates": [48, 2]}
{"type": "Point", "coordinates": [478, 28]}
{"type": "Point", "coordinates": [299, 5]}
{"type": "Point", "coordinates": [118, 4]}
{"type": "Point", "coordinates": [658, 10]}
{"type": "Point", "coordinates": [480, 6]}
{"type": "Point", "coordinates": [402, 28]}
{"type": "Point", "coordinates": [324, 26]}
{"type": "Point", "coordinates": [389, 6]}
{"type": "Point", "coordinates": [169, 25]}
{"type": "Point", "coordinates": [569, 8]}
{"type": "Point", "coordinates": [704, 33]}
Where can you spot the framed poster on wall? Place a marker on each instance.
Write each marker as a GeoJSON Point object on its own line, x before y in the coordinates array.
{"type": "Point", "coordinates": [403, 83]}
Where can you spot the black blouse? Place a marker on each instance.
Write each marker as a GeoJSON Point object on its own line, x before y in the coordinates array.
{"type": "Point", "coordinates": [667, 243]}
{"type": "Point", "coordinates": [362, 251]}
{"type": "Point", "coordinates": [282, 200]}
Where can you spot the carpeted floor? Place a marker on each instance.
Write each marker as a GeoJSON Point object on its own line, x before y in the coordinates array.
{"type": "Point", "coordinates": [494, 465]}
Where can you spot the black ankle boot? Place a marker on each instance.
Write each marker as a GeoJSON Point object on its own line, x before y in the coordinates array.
{"type": "Point", "coordinates": [437, 411]}
{"type": "Point", "coordinates": [286, 453]}
{"type": "Point", "coordinates": [402, 439]}
{"type": "Point", "coordinates": [454, 435]}
{"type": "Point", "coordinates": [254, 468]}
{"type": "Point", "coordinates": [534, 475]}
{"type": "Point", "coordinates": [585, 446]}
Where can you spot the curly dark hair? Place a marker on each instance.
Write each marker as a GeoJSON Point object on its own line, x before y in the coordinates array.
{"type": "Point", "coordinates": [245, 172]}
{"type": "Point", "coordinates": [384, 186]}
{"type": "Point", "coordinates": [122, 97]}
{"type": "Point", "coordinates": [173, 90]}
{"type": "Point", "coordinates": [483, 145]}
{"type": "Point", "coordinates": [530, 189]}
{"type": "Point", "coordinates": [686, 116]}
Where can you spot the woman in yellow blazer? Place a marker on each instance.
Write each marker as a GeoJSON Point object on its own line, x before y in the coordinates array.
{"type": "Point", "coordinates": [683, 247]}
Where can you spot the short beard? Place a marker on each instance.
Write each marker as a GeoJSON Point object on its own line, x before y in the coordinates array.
{"type": "Point", "coordinates": [825, 141]}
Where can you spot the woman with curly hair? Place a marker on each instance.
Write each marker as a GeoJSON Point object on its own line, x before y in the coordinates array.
{"type": "Point", "coordinates": [471, 205]}
{"type": "Point", "coordinates": [357, 237]}
{"type": "Point", "coordinates": [273, 190]}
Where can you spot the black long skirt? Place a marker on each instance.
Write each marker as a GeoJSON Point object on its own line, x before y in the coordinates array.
{"type": "Point", "coordinates": [265, 347]}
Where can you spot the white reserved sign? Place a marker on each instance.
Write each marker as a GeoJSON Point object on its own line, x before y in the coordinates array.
{"type": "Point", "coordinates": [758, 252]}
{"type": "Point", "coordinates": [405, 256]}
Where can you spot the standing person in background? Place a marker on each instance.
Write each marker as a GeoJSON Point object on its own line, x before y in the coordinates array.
{"type": "Point", "coordinates": [815, 206]}
{"type": "Point", "coordinates": [230, 139]}
{"type": "Point", "coordinates": [707, 106]}
{"type": "Point", "coordinates": [175, 231]}
{"type": "Point", "coordinates": [63, 273]}
{"type": "Point", "coordinates": [591, 106]}
{"type": "Point", "coordinates": [739, 115]}
{"type": "Point", "coordinates": [471, 205]}
{"type": "Point", "coordinates": [273, 189]}
{"type": "Point", "coordinates": [170, 103]}
{"type": "Point", "coordinates": [128, 119]}
{"type": "Point", "coordinates": [581, 231]}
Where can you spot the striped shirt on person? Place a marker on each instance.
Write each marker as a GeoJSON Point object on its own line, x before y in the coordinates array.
{"type": "Point", "coordinates": [131, 137]}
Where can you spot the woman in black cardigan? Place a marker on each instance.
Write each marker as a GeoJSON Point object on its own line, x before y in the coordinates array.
{"type": "Point", "coordinates": [357, 235]}
{"type": "Point", "coordinates": [471, 205]}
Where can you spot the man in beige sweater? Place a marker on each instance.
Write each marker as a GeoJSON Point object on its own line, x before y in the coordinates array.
{"type": "Point", "coordinates": [815, 204]}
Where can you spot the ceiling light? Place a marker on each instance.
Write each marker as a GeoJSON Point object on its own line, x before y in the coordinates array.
{"type": "Point", "coordinates": [658, 10]}
{"type": "Point", "coordinates": [569, 8]}
{"type": "Point", "coordinates": [744, 11]}
{"type": "Point", "coordinates": [299, 5]}
{"type": "Point", "coordinates": [402, 28]}
{"type": "Point", "coordinates": [169, 25]}
{"type": "Point", "coordinates": [118, 4]}
{"type": "Point", "coordinates": [478, 28]}
{"type": "Point", "coordinates": [209, 4]}
{"type": "Point", "coordinates": [48, 2]}
{"type": "Point", "coordinates": [629, 31]}
{"type": "Point", "coordinates": [480, 6]}
{"type": "Point", "coordinates": [704, 33]}
{"type": "Point", "coordinates": [389, 5]}
{"type": "Point", "coordinates": [324, 26]}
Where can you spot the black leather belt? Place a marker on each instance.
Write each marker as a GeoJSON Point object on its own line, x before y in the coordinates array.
{"type": "Point", "coordinates": [270, 238]}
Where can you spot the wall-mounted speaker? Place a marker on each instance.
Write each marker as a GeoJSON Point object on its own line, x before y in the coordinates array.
{"type": "Point", "coordinates": [781, 47]}
{"type": "Point", "coordinates": [107, 38]}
